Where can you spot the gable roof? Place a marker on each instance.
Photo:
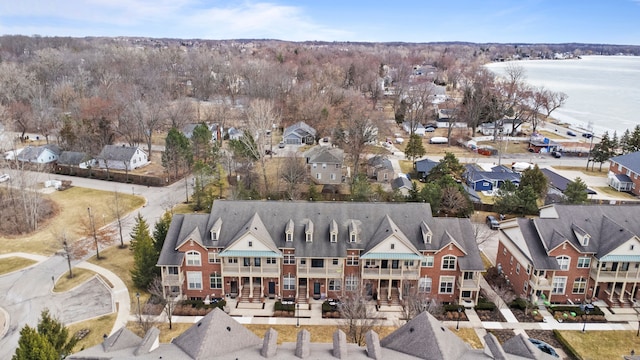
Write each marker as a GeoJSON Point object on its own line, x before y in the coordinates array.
{"type": "Point", "coordinates": [380, 161]}
{"type": "Point", "coordinates": [31, 153]}
{"type": "Point", "coordinates": [474, 174]}
{"type": "Point", "coordinates": [73, 157]}
{"type": "Point", "coordinates": [425, 165]}
{"type": "Point", "coordinates": [324, 154]}
{"type": "Point", "coordinates": [299, 129]}
{"type": "Point", "coordinates": [559, 182]}
{"type": "Point", "coordinates": [401, 182]}
{"type": "Point", "coordinates": [631, 161]}
{"type": "Point", "coordinates": [215, 335]}
{"type": "Point", "coordinates": [118, 153]}
{"type": "Point", "coordinates": [121, 339]}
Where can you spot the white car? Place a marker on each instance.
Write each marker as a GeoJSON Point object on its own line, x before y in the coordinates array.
{"type": "Point", "coordinates": [4, 177]}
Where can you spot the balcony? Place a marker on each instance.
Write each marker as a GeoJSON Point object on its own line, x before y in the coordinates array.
{"type": "Point", "coordinates": [408, 273]}
{"type": "Point", "coordinates": [469, 284]}
{"type": "Point", "coordinates": [604, 275]}
{"type": "Point", "coordinates": [332, 271]}
{"type": "Point", "coordinates": [172, 279]}
{"type": "Point", "coordinates": [540, 283]}
{"type": "Point", "coordinates": [252, 270]}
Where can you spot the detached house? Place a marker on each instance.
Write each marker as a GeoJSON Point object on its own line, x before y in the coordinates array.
{"type": "Point", "coordinates": [380, 168]}
{"type": "Point", "coordinates": [302, 250]}
{"type": "Point", "coordinates": [43, 154]}
{"type": "Point", "coordinates": [573, 254]}
{"type": "Point", "coordinates": [122, 157]}
{"type": "Point", "coordinates": [325, 164]}
{"type": "Point", "coordinates": [481, 180]}
{"type": "Point", "coordinates": [624, 173]}
{"type": "Point", "coordinates": [298, 134]}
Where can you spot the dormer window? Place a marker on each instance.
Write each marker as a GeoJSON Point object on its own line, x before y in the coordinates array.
{"type": "Point", "coordinates": [427, 235]}
{"type": "Point", "coordinates": [334, 238]}
{"type": "Point", "coordinates": [215, 230]}
{"type": "Point", "coordinates": [333, 231]}
{"type": "Point", "coordinates": [289, 231]}
{"type": "Point", "coordinates": [353, 232]}
{"type": "Point", "coordinates": [309, 231]}
{"type": "Point", "coordinates": [585, 240]}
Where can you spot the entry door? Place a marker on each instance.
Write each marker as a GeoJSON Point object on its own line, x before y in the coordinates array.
{"type": "Point", "coordinates": [272, 287]}
{"type": "Point", "coordinates": [316, 289]}
{"type": "Point", "coordinates": [234, 288]}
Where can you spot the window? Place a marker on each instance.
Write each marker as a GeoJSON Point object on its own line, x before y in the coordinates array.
{"type": "Point", "coordinates": [317, 263]}
{"type": "Point", "coordinates": [579, 285]}
{"type": "Point", "coordinates": [468, 275]}
{"type": "Point", "coordinates": [303, 261]}
{"type": "Point", "coordinates": [172, 270]}
{"type": "Point", "coordinates": [563, 262]}
{"type": "Point", "coordinates": [446, 284]}
{"type": "Point", "coordinates": [428, 261]}
{"type": "Point", "coordinates": [315, 165]}
{"type": "Point", "coordinates": [246, 261]}
{"type": "Point", "coordinates": [351, 283]}
{"type": "Point", "coordinates": [504, 251]}
{"type": "Point", "coordinates": [528, 268]}
{"type": "Point", "coordinates": [335, 284]}
{"type": "Point", "coordinates": [194, 280]}
{"type": "Point", "coordinates": [393, 246]}
{"type": "Point", "coordinates": [408, 263]}
{"type": "Point", "coordinates": [584, 262]}
{"type": "Point", "coordinates": [424, 285]}
{"type": "Point", "coordinates": [215, 281]}
{"type": "Point", "coordinates": [369, 263]}
{"type": "Point", "coordinates": [256, 262]}
{"type": "Point", "coordinates": [511, 260]}
{"type": "Point", "coordinates": [332, 176]}
{"type": "Point", "coordinates": [449, 262]}
{"type": "Point", "coordinates": [334, 238]}
{"type": "Point", "coordinates": [193, 258]}
{"type": "Point", "coordinates": [352, 238]}
{"type": "Point", "coordinates": [525, 287]}
{"type": "Point", "coordinates": [518, 268]}
{"type": "Point", "coordinates": [289, 282]}
{"type": "Point", "coordinates": [289, 260]}
{"type": "Point", "coordinates": [559, 284]}
{"type": "Point", "coordinates": [272, 261]}
{"type": "Point", "coordinates": [250, 243]}
{"type": "Point", "coordinates": [289, 237]}
{"type": "Point", "coordinates": [214, 235]}
{"type": "Point", "coordinates": [232, 260]}
{"type": "Point", "coordinates": [335, 262]}
{"type": "Point", "coordinates": [318, 176]}
{"type": "Point", "coordinates": [324, 165]}
{"type": "Point", "coordinates": [352, 260]}
{"type": "Point", "coordinates": [213, 258]}
{"type": "Point", "coordinates": [309, 238]}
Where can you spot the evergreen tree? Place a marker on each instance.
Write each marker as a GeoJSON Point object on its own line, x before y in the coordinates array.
{"type": "Point", "coordinates": [160, 231]}
{"type": "Point", "coordinates": [177, 155]}
{"type": "Point", "coordinates": [414, 148]}
{"type": "Point", "coordinates": [33, 346]}
{"type": "Point", "coordinates": [602, 151]}
{"type": "Point", "coordinates": [201, 142]}
{"type": "Point", "coordinates": [520, 200]}
{"type": "Point", "coordinates": [145, 255]}
{"type": "Point", "coordinates": [449, 165]}
{"type": "Point", "coordinates": [536, 179]}
{"type": "Point", "coordinates": [576, 192]}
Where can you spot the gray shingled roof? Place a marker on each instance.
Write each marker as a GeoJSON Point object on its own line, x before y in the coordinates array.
{"type": "Point", "coordinates": [300, 129]}
{"type": "Point", "coordinates": [275, 215]}
{"type": "Point", "coordinates": [425, 165]}
{"type": "Point", "coordinates": [401, 182]}
{"type": "Point", "coordinates": [380, 161]}
{"type": "Point", "coordinates": [31, 153]}
{"type": "Point", "coordinates": [560, 182]}
{"type": "Point", "coordinates": [324, 154]}
{"type": "Point", "coordinates": [117, 152]}
{"type": "Point", "coordinates": [73, 158]}
{"type": "Point", "coordinates": [630, 161]}
{"type": "Point", "coordinates": [215, 335]}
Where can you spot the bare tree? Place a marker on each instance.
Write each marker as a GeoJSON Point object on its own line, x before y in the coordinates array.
{"type": "Point", "coordinates": [117, 210]}
{"type": "Point", "coordinates": [358, 316]}
{"type": "Point", "coordinates": [164, 298]}
{"type": "Point", "coordinates": [293, 173]}
{"type": "Point", "coordinates": [261, 118]}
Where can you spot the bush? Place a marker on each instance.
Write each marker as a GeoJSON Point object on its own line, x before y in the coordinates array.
{"type": "Point", "coordinates": [279, 306]}
{"type": "Point", "coordinates": [521, 304]}
{"type": "Point", "coordinates": [486, 305]}
{"type": "Point", "coordinates": [453, 308]}
{"type": "Point", "coordinates": [574, 308]}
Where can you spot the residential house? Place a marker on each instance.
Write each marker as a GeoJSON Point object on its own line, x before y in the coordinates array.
{"type": "Point", "coordinates": [558, 184]}
{"type": "Point", "coordinates": [325, 164]}
{"type": "Point", "coordinates": [234, 134]}
{"type": "Point", "coordinates": [380, 168]}
{"type": "Point", "coordinates": [302, 250]}
{"type": "Point", "coordinates": [624, 173]}
{"type": "Point", "coordinates": [43, 154]}
{"type": "Point", "coordinates": [541, 144]}
{"type": "Point", "coordinates": [120, 157]}
{"type": "Point", "coordinates": [504, 126]}
{"type": "Point", "coordinates": [482, 180]}
{"type": "Point", "coordinates": [423, 167]}
{"type": "Point", "coordinates": [402, 184]}
{"type": "Point", "coordinates": [299, 133]}
{"type": "Point", "coordinates": [416, 128]}
{"type": "Point", "coordinates": [215, 129]}
{"type": "Point", "coordinates": [220, 336]}
{"type": "Point", "coordinates": [574, 254]}
{"type": "Point", "coordinates": [78, 159]}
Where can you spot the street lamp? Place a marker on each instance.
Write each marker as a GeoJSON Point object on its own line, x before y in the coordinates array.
{"type": "Point", "coordinates": [297, 315]}
{"type": "Point", "coordinates": [139, 313]}
{"type": "Point", "coordinates": [459, 314]}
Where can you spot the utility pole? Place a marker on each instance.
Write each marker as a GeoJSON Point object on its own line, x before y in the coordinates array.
{"type": "Point", "coordinates": [93, 228]}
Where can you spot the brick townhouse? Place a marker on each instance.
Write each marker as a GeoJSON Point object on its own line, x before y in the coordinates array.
{"type": "Point", "coordinates": [624, 173]}
{"type": "Point", "coordinates": [573, 254]}
{"type": "Point", "coordinates": [313, 250]}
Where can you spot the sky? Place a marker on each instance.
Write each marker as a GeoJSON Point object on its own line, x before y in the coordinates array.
{"type": "Point", "coordinates": [479, 21]}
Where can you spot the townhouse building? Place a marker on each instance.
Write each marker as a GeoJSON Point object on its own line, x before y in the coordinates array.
{"type": "Point", "coordinates": [255, 250]}
{"type": "Point", "coordinates": [624, 173]}
{"type": "Point", "coordinates": [574, 254]}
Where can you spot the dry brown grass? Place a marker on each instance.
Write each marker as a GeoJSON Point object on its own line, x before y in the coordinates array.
{"type": "Point", "coordinates": [583, 170]}
{"type": "Point", "coordinates": [319, 333]}
{"type": "Point", "coordinates": [98, 327]}
{"type": "Point", "coordinates": [469, 336]}
{"type": "Point", "coordinates": [72, 209]}
{"type": "Point", "coordinates": [602, 344]}
{"type": "Point", "coordinates": [614, 193]}
{"type": "Point", "coordinates": [65, 283]}
{"type": "Point", "coordinates": [14, 263]}
{"type": "Point", "coordinates": [166, 334]}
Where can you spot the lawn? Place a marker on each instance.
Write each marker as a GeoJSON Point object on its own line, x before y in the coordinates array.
{"type": "Point", "coordinates": [13, 263]}
{"type": "Point", "coordinates": [469, 336]}
{"type": "Point", "coordinates": [602, 344]}
{"type": "Point", "coordinates": [72, 207]}
{"type": "Point", "coordinates": [65, 283]}
{"type": "Point", "coordinates": [583, 170]}
{"type": "Point", "coordinates": [97, 328]}
{"type": "Point", "coordinates": [166, 334]}
{"type": "Point", "coordinates": [614, 193]}
{"type": "Point", "coordinates": [319, 333]}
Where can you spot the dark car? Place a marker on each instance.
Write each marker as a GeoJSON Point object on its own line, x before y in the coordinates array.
{"type": "Point", "coordinates": [587, 135]}
{"type": "Point", "coordinates": [571, 133]}
{"type": "Point", "coordinates": [492, 222]}
{"type": "Point", "coordinates": [556, 154]}
{"type": "Point", "coordinates": [544, 347]}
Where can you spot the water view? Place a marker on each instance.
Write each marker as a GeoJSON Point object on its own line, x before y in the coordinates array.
{"type": "Point", "coordinates": [603, 90]}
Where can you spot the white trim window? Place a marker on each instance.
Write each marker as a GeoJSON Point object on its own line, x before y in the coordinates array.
{"type": "Point", "coordinates": [428, 261]}
{"type": "Point", "coordinates": [335, 284]}
{"type": "Point", "coordinates": [446, 284]}
{"type": "Point", "coordinates": [559, 284]}
{"type": "Point", "coordinates": [289, 282]}
{"type": "Point", "coordinates": [424, 284]}
{"type": "Point", "coordinates": [449, 262]}
{"type": "Point", "coordinates": [213, 258]}
{"type": "Point", "coordinates": [215, 281]}
{"type": "Point", "coordinates": [351, 283]}
{"type": "Point", "coordinates": [584, 262]}
{"type": "Point", "coordinates": [579, 285]}
{"type": "Point", "coordinates": [353, 260]}
{"type": "Point", "coordinates": [564, 262]}
{"type": "Point", "coordinates": [194, 280]}
{"type": "Point", "coordinates": [192, 258]}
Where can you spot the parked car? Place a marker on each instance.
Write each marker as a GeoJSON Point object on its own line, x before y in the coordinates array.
{"type": "Point", "coordinates": [556, 154]}
{"type": "Point", "coordinates": [429, 129]}
{"type": "Point", "coordinates": [492, 222]}
{"type": "Point", "coordinates": [544, 347]}
{"type": "Point", "coordinates": [281, 145]}
{"type": "Point", "coordinates": [4, 177]}
{"type": "Point", "coordinates": [571, 133]}
{"type": "Point", "coordinates": [587, 135]}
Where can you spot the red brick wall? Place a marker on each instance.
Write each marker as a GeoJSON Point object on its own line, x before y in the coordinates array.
{"type": "Point", "coordinates": [614, 168]}
{"type": "Point", "coordinates": [571, 274]}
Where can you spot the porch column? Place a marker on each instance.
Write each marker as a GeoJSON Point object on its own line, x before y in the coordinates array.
{"type": "Point", "coordinates": [390, 289]}
{"type": "Point", "coordinates": [400, 289]}
{"type": "Point", "coordinates": [611, 291]}
{"type": "Point", "coordinates": [251, 286]}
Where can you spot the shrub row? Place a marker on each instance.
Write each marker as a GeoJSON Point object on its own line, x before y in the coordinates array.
{"type": "Point", "coordinates": [279, 306]}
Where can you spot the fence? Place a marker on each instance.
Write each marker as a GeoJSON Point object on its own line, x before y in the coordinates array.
{"type": "Point", "coordinates": [116, 176]}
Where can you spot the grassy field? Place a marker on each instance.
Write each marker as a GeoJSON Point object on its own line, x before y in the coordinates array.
{"type": "Point", "coordinates": [14, 263]}
{"type": "Point", "coordinates": [72, 207]}
{"type": "Point", "coordinates": [65, 283]}
{"type": "Point", "coordinates": [602, 344]}
{"type": "Point", "coordinates": [614, 193]}
{"type": "Point", "coordinates": [97, 328]}
{"type": "Point", "coordinates": [583, 170]}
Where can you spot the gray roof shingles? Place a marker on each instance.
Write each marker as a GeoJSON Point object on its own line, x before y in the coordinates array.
{"type": "Point", "coordinates": [631, 161]}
